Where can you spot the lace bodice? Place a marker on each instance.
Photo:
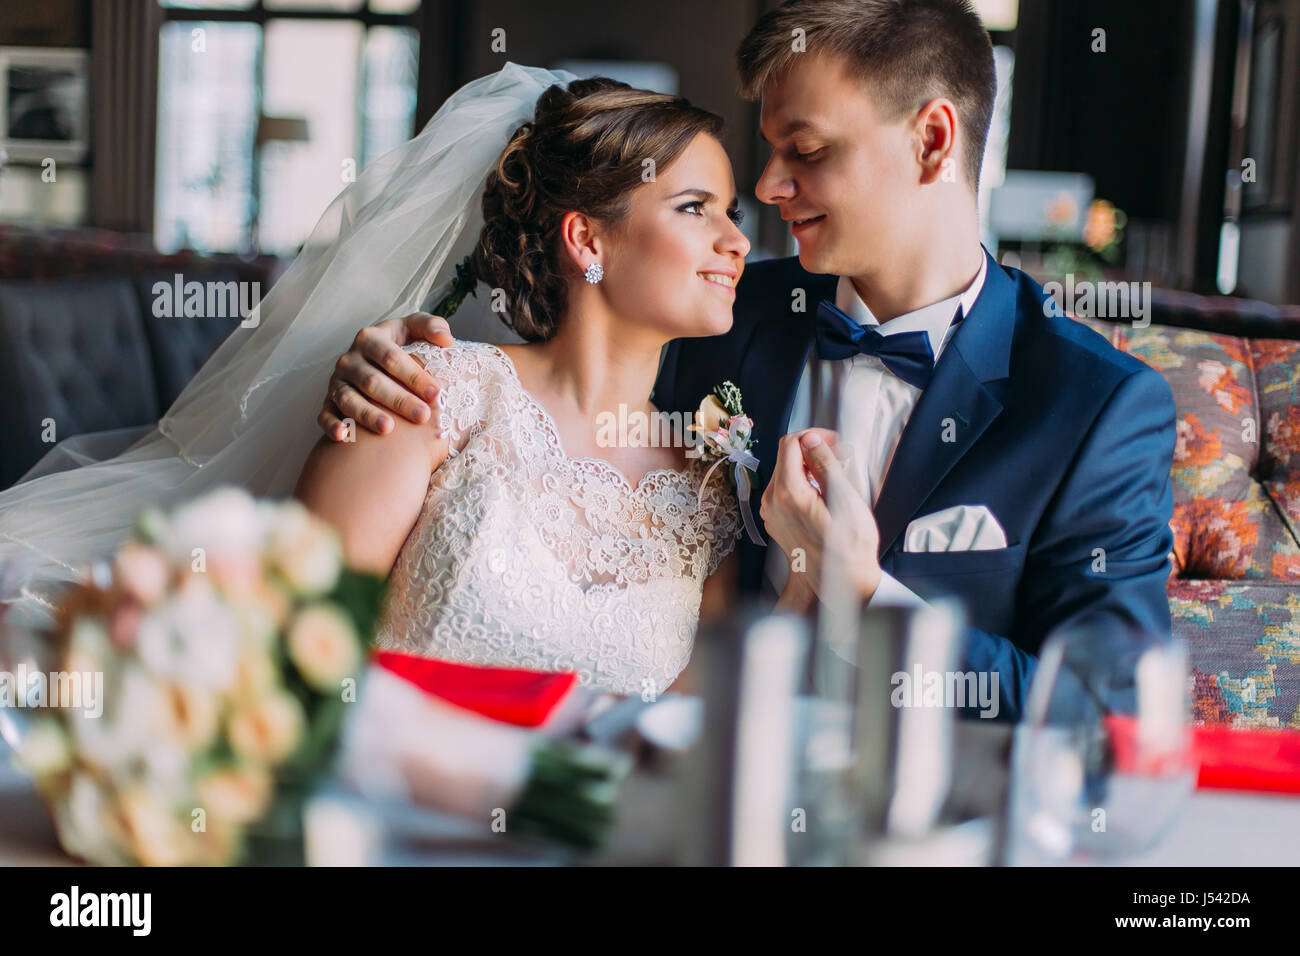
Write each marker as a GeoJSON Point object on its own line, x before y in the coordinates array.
{"type": "Point", "coordinates": [525, 557]}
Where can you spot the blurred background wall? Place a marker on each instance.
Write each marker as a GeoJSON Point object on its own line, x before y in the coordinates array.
{"type": "Point", "coordinates": [228, 125]}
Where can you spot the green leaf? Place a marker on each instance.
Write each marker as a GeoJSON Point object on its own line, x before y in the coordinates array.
{"type": "Point", "coordinates": [462, 285]}
{"type": "Point", "coordinates": [361, 596]}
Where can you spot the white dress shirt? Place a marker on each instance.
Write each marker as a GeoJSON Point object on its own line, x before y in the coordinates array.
{"type": "Point", "coordinates": [875, 405]}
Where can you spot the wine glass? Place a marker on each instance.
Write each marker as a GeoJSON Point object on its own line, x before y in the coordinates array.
{"type": "Point", "coordinates": [1103, 762]}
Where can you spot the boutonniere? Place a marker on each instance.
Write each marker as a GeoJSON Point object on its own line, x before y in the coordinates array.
{"type": "Point", "coordinates": [725, 434]}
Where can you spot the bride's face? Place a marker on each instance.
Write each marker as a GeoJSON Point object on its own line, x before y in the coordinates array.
{"type": "Point", "coordinates": [673, 261]}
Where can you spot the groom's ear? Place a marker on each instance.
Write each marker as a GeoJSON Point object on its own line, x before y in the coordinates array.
{"type": "Point", "coordinates": [935, 133]}
{"type": "Point", "coordinates": [578, 235]}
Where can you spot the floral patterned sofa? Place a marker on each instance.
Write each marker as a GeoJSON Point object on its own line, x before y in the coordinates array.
{"type": "Point", "coordinates": [1234, 582]}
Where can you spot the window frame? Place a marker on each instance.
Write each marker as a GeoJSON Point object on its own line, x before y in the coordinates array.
{"type": "Point", "coordinates": [259, 14]}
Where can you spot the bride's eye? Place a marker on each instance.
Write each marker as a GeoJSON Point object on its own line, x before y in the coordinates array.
{"type": "Point", "coordinates": [736, 215]}
{"type": "Point", "coordinates": [697, 204]}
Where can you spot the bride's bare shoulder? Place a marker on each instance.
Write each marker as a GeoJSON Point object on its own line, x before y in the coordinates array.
{"type": "Point", "coordinates": [371, 487]}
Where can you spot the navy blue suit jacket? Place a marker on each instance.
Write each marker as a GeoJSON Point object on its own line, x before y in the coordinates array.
{"type": "Point", "coordinates": [1067, 440]}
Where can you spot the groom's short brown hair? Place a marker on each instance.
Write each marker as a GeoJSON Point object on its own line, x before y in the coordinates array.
{"type": "Point", "coordinates": [909, 51]}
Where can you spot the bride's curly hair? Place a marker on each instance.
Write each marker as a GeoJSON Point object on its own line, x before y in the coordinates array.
{"type": "Point", "coordinates": [583, 151]}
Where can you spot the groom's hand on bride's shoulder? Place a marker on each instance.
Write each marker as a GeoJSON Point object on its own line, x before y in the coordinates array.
{"type": "Point", "coordinates": [375, 377]}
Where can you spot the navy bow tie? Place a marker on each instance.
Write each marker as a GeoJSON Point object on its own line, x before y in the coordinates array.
{"type": "Point", "coordinates": [907, 354]}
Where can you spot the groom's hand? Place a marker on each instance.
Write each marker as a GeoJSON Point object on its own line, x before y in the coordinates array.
{"type": "Point", "coordinates": [797, 516]}
{"type": "Point", "coordinates": [852, 538]}
{"type": "Point", "coordinates": [375, 376]}
{"type": "Point", "coordinates": [793, 512]}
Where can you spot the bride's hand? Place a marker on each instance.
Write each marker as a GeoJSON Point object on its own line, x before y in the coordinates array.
{"type": "Point", "coordinates": [375, 376]}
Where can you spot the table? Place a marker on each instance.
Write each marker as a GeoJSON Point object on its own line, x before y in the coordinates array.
{"type": "Point", "coordinates": [1217, 828]}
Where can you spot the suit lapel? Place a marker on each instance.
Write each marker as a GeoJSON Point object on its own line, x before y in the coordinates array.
{"type": "Point", "coordinates": [770, 370]}
{"type": "Point", "coordinates": [771, 374]}
{"type": "Point", "coordinates": [955, 408]}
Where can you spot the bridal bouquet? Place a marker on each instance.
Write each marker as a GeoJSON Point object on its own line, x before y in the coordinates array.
{"type": "Point", "coordinates": [213, 659]}
{"type": "Point", "coordinates": [198, 689]}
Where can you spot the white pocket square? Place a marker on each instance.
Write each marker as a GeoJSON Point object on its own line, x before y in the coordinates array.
{"type": "Point", "coordinates": [959, 528]}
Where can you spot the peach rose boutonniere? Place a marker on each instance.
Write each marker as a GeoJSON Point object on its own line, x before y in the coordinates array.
{"type": "Point", "coordinates": [725, 434]}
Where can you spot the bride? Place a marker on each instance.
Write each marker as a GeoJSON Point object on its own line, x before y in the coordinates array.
{"type": "Point", "coordinates": [605, 225]}
{"type": "Point", "coordinates": [513, 537]}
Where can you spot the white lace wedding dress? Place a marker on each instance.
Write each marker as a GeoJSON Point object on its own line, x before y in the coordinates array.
{"type": "Point", "coordinates": [523, 556]}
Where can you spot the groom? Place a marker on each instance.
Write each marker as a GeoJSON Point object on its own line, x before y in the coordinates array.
{"type": "Point", "coordinates": [988, 448]}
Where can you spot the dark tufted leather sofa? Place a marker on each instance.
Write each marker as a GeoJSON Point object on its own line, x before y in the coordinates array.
{"type": "Point", "coordinates": [81, 349]}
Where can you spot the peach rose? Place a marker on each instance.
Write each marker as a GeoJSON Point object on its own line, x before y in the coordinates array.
{"type": "Point", "coordinates": [710, 415]}
{"type": "Point", "coordinates": [189, 715]}
{"type": "Point", "coordinates": [255, 673]}
{"type": "Point", "coordinates": [153, 831]}
{"type": "Point", "coordinates": [267, 730]}
{"type": "Point", "coordinates": [236, 794]}
{"type": "Point", "coordinates": [324, 646]}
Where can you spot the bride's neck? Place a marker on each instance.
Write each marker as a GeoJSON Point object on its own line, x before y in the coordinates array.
{"type": "Point", "coordinates": [594, 362]}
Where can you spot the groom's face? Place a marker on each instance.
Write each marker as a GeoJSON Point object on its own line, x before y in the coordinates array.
{"type": "Point", "coordinates": [839, 173]}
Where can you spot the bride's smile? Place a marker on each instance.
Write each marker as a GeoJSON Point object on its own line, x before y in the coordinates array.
{"type": "Point", "coordinates": [685, 223]}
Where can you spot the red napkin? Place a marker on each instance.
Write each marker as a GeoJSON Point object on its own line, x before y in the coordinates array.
{"type": "Point", "coordinates": [1255, 759]}
{"type": "Point", "coordinates": [524, 698]}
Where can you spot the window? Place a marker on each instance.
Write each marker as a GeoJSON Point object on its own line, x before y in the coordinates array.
{"type": "Point", "coordinates": [268, 108]}
{"type": "Point", "coordinates": [998, 15]}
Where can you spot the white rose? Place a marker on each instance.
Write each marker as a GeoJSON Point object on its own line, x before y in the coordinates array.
{"type": "Point", "coordinates": [165, 767]}
{"type": "Point", "coordinates": [306, 550]}
{"type": "Point", "coordinates": [224, 523]}
{"type": "Point", "coordinates": [143, 571]}
{"type": "Point", "coordinates": [85, 823]}
{"type": "Point", "coordinates": [236, 576]}
{"type": "Point", "coordinates": [193, 638]}
{"type": "Point", "coordinates": [43, 749]}
{"type": "Point", "coordinates": [90, 649]}
{"type": "Point", "coordinates": [126, 727]}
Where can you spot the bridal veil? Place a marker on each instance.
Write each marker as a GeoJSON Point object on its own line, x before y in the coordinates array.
{"type": "Point", "coordinates": [248, 418]}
